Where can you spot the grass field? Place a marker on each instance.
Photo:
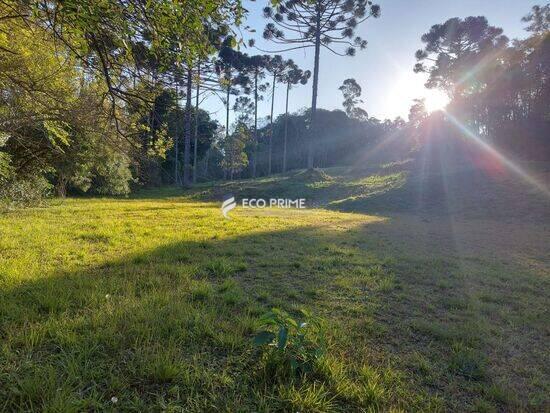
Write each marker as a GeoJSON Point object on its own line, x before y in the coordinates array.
{"type": "Point", "coordinates": [151, 303]}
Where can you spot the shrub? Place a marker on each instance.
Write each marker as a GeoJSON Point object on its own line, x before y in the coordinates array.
{"type": "Point", "coordinates": [112, 176]}
{"type": "Point", "coordinates": [5, 167]}
{"type": "Point", "coordinates": [26, 192]}
{"type": "Point", "coordinates": [291, 345]}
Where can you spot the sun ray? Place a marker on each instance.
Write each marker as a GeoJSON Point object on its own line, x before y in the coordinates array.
{"type": "Point", "coordinates": [435, 100]}
{"type": "Point", "coordinates": [512, 166]}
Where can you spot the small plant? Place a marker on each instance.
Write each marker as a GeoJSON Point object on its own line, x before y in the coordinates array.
{"type": "Point", "coordinates": [292, 345]}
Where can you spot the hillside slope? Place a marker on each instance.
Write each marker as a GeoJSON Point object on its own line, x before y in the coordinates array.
{"type": "Point", "coordinates": [401, 187]}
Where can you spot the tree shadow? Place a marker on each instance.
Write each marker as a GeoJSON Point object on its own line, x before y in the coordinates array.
{"type": "Point", "coordinates": [172, 327]}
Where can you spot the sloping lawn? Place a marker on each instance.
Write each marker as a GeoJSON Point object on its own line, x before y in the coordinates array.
{"type": "Point", "coordinates": [152, 304]}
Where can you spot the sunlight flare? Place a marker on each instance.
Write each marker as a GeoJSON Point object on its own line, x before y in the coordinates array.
{"type": "Point", "coordinates": [435, 100]}
{"type": "Point", "coordinates": [511, 165]}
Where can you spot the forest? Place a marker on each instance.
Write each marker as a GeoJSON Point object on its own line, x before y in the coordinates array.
{"type": "Point", "coordinates": [105, 97]}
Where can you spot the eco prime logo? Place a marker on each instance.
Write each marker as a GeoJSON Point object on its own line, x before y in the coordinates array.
{"type": "Point", "coordinates": [229, 203]}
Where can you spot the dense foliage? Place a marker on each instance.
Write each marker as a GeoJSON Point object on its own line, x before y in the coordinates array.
{"type": "Point", "coordinates": [499, 90]}
{"type": "Point", "coordinates": [87, 101]}
{"type": "Point", "coordinates": [91, 93]}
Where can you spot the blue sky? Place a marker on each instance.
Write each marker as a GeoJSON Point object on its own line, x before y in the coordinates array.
{"type": "Point", "coordinates": [384, 69]}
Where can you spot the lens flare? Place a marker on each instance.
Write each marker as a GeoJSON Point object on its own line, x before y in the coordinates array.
{"type": "Point", "coordinates": [512, 166]}
{"type": "Point", "coordinates": [435, 100]}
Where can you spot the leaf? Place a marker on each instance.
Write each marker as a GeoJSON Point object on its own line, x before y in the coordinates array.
{"type": "Point", "coordinates": [278, 312]}
{"type": "Point", "coordinates": [263, 338]}
{"type": "Point", "coordinates": [293, 365]}
{"type": "Point", "coordinates": [268, 318]}
{"type": "Point", "coordinates": [56, 132]}
{"type": "Point", "coordinates": [282, 339]}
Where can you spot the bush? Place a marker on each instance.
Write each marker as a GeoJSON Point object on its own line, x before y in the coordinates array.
{"type": "Point", "coordinates": [112, 177]}
{"type": "Point", "coordinates": [5, 168]}
{"type": "Point", "coordinates": [26, 192]}
{"type": "Point", "coordinates": [291, 346]}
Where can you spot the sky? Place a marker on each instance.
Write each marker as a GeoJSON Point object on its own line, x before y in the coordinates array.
{"type": "Point", "coordinates": [384, 69]}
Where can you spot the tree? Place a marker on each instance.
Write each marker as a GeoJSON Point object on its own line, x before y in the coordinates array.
{"type": "Point", "coordinates": [196, 123]}
{"type": "Point", "coordinates": [538, 19]}
{"type": "Point", "coordinates": [453, 48]}
{"type": "Point", "coordinates": [417, 111]}
{"type": "Point", "coordinates": [231, 69]}
{"type": "Point", "coordinates": [275, 65]}
{"type": "Point", "coordinates": [244, 107]}
{"type": "Point", "coordinates": [114, 38]}
{"type": "Point", "coordinates": [235, 158]}
{"type": "Point", "coordinates": [292, 75]}
{"type": "Point", "coordinates": [318, 23]}
{"type": "Point", "coordinates": [352, 93]}
{"type": "Point", "coordinates": [126, 43]}
{"type": "Point", "coordinates": [54, 122]}
{"type": "Point", "coordinates": [499, 92]}
{"type": "Point", "coordinates": [257, 65]}
{"type": "Point", "coordinates": [206, 132]}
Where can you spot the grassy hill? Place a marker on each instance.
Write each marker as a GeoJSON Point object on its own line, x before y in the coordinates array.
{"type": "Point", "coordinates": [400, 187]}
{"type": "Point", "coordinates": [431, 287]}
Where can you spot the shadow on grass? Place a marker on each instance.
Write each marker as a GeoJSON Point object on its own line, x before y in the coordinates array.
{"type": "Point", "coordinates": [171, 328]}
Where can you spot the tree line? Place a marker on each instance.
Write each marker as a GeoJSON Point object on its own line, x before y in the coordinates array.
{"type": "Point", "coordinates": [104, 97]}
{"type": "Point", "coordinates": [499, 89]}
{"type": "Point", "coordinates": [93, 90]}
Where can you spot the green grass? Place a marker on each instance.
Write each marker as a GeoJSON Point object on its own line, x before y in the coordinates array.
{"type": "Point", "coordinates": [151, 304]}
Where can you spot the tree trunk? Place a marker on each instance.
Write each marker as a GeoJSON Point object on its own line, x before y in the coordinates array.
{"type": "Point", "coordinates": [177, 140]}
{"type": "Point", "coordinates": [312, 127]}
{"type": "Point", "coordinates": [255, 160]}
{"type": "Point", "coordinates": [61, 187]}
{"type": "Point", "coordinates": [196, 124]}
{"type": "Point", "coordinates": [271, 127]}
{"type": "Point", "coordinates": [207, 158]}
{"type": "Point", "coordinates": [187, 136]}
{"type": "Point", "coordinates": [227, 114]}
{"type": "Point", "coordinates": [286, 127]}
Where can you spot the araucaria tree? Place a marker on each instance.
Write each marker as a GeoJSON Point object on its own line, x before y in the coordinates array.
{"type": "Point", "coordinates": [331, 24]}
{"type": "Point", "coordinates": [256, 66]}
{"type": "Point", "coordinates": [292, 75]}
{"type": "Point", "coordinates": [453, 48]}
{"type": "Point", "coordinates": [231, 69]}
{"type": "Point", "coordinates": [275, 66]}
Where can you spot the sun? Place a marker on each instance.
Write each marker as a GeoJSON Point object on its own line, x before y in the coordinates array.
{"type": "Point", "coordinates": [435, 100]}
